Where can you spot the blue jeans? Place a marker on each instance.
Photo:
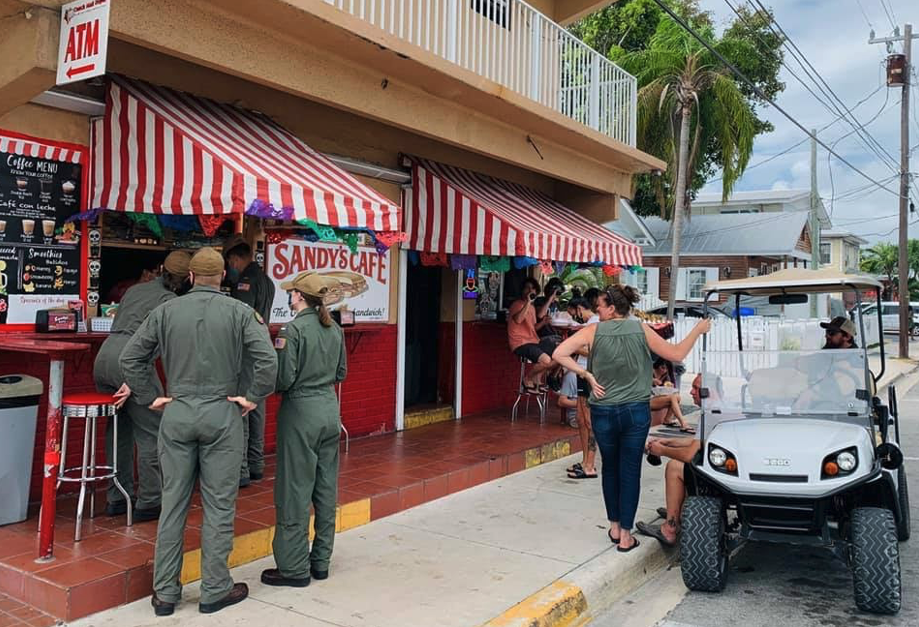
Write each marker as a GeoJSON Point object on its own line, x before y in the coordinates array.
{"type": "Point", "coordinates": [621, 431]}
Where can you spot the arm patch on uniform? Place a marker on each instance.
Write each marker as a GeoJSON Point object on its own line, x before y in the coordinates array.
{"type": "Point", "coordinates": [242, 287]}
{"type": "Point", "coordinates": [258, 317]}
{"type": "Point", "coordinates": [280, 343]}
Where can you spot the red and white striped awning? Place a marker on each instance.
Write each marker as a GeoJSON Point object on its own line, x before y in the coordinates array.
{"type": "Point", "coordinates": [162, 151]}
{"type": "Point", "coordinates": [462, 212]}
{"type": "Point", "coordinates": [12, 144]}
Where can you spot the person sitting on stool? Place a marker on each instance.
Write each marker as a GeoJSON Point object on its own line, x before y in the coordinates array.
{"type": "Point", "coordinates": [522, 336]}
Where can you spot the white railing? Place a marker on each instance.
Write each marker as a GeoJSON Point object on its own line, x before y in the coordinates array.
{"type": "Point", "coordinates": [511, 43]}
{"type": "Point", "coordinates": [760, 335]}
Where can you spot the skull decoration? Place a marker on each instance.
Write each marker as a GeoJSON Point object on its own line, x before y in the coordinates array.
{"type": "Point", "coordinates": [92, 298]}
{"type": "Point", "coordinates": [260, 258]}
{"type": "Point", "coordinates": [94, 267]}
{"type": "Point", "coordinates": [95, 236]}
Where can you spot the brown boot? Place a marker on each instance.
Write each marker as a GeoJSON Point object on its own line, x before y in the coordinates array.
{"type": "Point", "coordinates": [273, 577]}
{"type": "Point", "coordinates": [238, 593]}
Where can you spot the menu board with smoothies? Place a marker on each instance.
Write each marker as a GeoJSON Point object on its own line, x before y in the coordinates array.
{"type": "Point", "coordinates": [39, 254]}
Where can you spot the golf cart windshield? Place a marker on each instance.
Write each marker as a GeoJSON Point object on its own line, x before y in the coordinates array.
{"type": "Point", "coordinates": [828, 384]}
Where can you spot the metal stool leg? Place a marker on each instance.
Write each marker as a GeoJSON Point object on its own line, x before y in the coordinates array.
{"type": "Point", "coordinates": [520, 389]}
{"type": "Point", "coordinates": [127, 498]}
{"type": "Point", "coordinates": [347, 438]}
{"type": "Point", "coordinates": [87, 429]}
{"type": "Point", "coordinates": [92, 471]}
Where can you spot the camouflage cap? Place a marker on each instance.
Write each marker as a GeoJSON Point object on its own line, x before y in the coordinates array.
{"type": "Point", "coordinates": [206, 262]}
{"type": "Point", "coordinates": [177, 263]}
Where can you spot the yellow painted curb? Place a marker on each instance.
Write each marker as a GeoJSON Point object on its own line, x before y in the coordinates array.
{"type": "Point", "coordinates": [257, 544]}
{"type": "Point", "coordinates": [428, 417]}
{"type": "Point", "coordinates": [560, 604]}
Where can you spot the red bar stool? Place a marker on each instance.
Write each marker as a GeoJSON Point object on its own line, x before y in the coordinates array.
{"type": "Point", "coordinates": [89, 407]}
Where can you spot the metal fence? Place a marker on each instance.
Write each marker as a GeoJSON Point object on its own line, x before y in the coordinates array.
{"type": "Point", "coordinates": [511, 43]}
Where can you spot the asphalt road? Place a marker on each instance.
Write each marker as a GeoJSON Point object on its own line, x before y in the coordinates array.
{"type": "Point", "coordinates": [782, 586]}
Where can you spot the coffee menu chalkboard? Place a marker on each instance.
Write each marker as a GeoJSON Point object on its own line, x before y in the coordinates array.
{"type": "Point", "coordinates": [40, 262]}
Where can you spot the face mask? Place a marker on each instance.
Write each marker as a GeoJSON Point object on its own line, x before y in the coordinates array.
{"type": "Point", "coordinates": [290, 301]}
{"type": "Point", "coordinates": [233, 275]}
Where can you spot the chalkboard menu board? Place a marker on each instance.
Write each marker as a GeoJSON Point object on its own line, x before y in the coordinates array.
{"type": "Point", "coordinates": [39, 254]}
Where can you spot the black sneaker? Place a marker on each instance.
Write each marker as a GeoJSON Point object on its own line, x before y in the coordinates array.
{"type": "Point", "coordinates": [244, 483]}
{"type": "Point", "coordinates": [256, 476]}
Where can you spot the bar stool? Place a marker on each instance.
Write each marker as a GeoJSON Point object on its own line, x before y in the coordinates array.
{"type": "Point", "coordinates": [541, 395]}
{"type": "Point", "coordinates": [89, 407]}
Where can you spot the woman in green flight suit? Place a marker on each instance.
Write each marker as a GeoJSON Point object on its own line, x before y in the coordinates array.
{"type": "Point", "coordinates": [311, 360]}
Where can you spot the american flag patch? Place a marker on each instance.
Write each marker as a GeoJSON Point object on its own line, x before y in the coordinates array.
{"type": "Point", "coordinates": [280, 342]}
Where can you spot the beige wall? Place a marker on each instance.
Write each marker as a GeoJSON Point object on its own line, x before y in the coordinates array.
{"type": "Point", "coordinates": [47, 123]}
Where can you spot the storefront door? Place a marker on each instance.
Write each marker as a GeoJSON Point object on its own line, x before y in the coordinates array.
{"type": "Point", "coordinates": [421, 334]}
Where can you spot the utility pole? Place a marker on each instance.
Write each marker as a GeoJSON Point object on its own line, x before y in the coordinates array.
{"type": "Point", "coordinates": [814, 218]}
{"type": "Point", "coordinates": [903, 269]}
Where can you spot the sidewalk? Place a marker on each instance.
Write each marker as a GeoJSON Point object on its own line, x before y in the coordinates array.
{"type": "Point", "coordinates": [460, 561]}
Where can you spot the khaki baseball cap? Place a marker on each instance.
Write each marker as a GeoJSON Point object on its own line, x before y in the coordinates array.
{"type": "Point", "coordinates": [206, 262]}
{"type": "Point", "coordinates": [840, 323]}
{"type": "Point", "coordinates": [177, 263]}
{"type": "Point", "coordinates": [312, 284]}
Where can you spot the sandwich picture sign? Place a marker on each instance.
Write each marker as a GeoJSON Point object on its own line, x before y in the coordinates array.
{"type": "Point", "coordinates": [364, 276]}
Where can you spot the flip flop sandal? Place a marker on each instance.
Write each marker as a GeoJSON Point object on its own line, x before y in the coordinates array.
{"type": "Point", "coordinates": [653, 532]}
{"type": "Point", "coordinates": [670, 424]}
{"type": "Point", "coordinates": [654, 460]}
{"type": "Point", "coordinates": [690, 430]}
{"type": "Point", "coordinates": [580, 474]}
{"type": "Point", "coordinates": [662, 512]}
{"type": "Point", "coordinates": [574, 468]}
{"type": "Point", "coordinates": [531, 389]}
{"type": "Point", "coordinates": [609, 534]}
{"type": "Point", "coordinates": [634, 546]}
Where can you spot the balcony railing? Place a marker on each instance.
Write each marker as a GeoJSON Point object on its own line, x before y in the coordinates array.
{"type": "Point", "coordinates": [514, 45]}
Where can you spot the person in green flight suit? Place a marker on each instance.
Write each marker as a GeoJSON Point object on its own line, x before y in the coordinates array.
{"type": "Point", "coordinates": [137, 424]}
{"type": "Point", "coordinates": [252, 286]}
{"type": "Point", "coordinates": [311, 360]}
{"type": "Point", "coordinates": [206, 340]}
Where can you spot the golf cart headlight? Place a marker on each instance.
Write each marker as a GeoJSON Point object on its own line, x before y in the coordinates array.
{"type": "Point", "coordinates": [846, 461]}
{"type": "Point", "coordinates": [839, 464]}
{"type": "Point", "coordinates": [717, 457]}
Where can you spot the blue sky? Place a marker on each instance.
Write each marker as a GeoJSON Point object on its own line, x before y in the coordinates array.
{"type": "Point", "coordinates": [833, 35]}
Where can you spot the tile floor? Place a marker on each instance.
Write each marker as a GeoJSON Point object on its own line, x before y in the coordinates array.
{"type": "Point", "coordinates": [112, 565]}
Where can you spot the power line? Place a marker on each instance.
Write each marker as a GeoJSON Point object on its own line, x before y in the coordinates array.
{"type": "Point", "coordinates": [760, 94]}
{"type": "Point", "coordinates": [870, 142]}
{"type": "Point", "coordinates": [862, 9]}
{"type": "Point", "coordinates": [893, 22]}
{"type": "Point", "coordinates": [803, 141]}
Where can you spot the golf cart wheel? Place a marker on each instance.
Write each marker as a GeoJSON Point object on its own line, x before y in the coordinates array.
{"type": "Point", "coordinates": [903, 495]}
{"type": "Point", "coordinates": [703, 554]}
{"type": "Point", "coordinates": [875, 560]}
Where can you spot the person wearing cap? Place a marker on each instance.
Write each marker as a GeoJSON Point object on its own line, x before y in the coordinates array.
{"type": "Point", "coordinates": [137, 424]}
{"type": "Point", "coordinates": [249, 284]}
{"type": "Point", "coordinates": [205, 339]}
{"type": "Point", "coordinates": [311, 360]}
{"type": "Point", "coordinates": [840, 333]}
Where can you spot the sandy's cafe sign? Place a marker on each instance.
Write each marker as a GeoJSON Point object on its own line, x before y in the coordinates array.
{"type": "Point", "coordinates": [364, 275]}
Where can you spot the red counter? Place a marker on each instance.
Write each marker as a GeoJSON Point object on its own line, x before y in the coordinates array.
{"type": "Point", "coordinates": [368, 394]}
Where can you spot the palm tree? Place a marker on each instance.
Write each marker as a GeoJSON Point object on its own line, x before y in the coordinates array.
{"type": "Point", "coordinates": [882, 259]}
{"type": "Point", "coordinates": [686, 91]}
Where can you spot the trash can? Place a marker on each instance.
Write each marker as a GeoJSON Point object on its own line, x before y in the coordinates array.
{"type": "Point", "coordinates": [19, 396]}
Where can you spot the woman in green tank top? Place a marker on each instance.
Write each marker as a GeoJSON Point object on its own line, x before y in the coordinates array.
{"type": "Point", "coordinates": [619, 373]}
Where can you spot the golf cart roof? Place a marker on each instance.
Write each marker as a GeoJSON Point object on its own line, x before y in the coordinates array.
{"type": "Point", "coordinates": [795, 281]}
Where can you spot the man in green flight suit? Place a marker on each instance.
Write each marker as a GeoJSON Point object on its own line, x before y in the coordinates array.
{"type": "Point", "coordinates": [311, 360]}
{"type": "Point", "coordinates": [252, 286]}
{"type": "Point", "coordinates": [137, 423]}
{"type": "Point", "coordinates": [206, 342]}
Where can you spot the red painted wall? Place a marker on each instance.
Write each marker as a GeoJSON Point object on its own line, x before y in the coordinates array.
{"type": "Point", "coordinates": [368, 395]}
{"type": "Point", "coordinates": [490, 371]}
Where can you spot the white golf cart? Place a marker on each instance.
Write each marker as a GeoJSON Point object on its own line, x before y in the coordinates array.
{"type": "Point", "coordinates": [797, 449]}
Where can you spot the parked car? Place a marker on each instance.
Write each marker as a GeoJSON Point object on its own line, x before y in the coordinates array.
{"type": "Point", "coordinates": [890, 315]}
{"type": "Point", "coordinates": [797, 449]}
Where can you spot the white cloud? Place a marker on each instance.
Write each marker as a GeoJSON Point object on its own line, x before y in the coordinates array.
{"type": "Point", "coordinates": [833, 35]}
{"type": "Point", "coordinates": [781, 185]}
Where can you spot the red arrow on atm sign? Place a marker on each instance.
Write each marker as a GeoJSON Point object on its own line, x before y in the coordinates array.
{"type": "Point", "coordinates": [73, 71]}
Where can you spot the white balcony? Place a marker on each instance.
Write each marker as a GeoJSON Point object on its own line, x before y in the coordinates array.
{"type": "Point", "coordinates": [511, 43]}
